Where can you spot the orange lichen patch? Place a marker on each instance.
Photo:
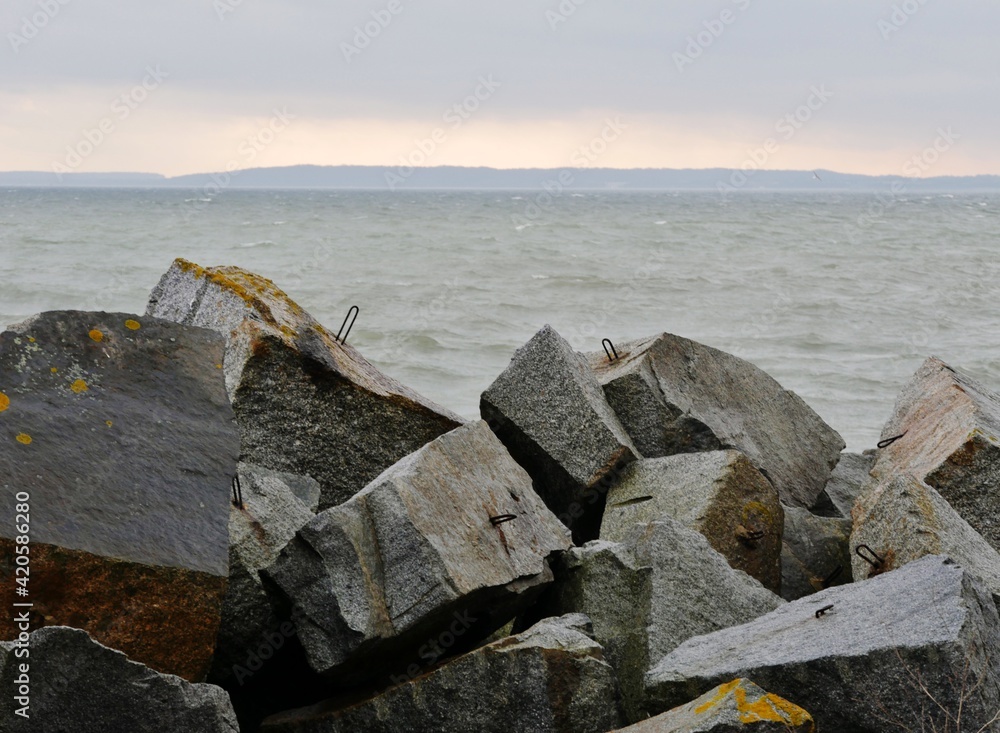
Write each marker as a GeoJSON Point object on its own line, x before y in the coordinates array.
{"type": "Point", "coordinates": [218, 366]}
{"type": "Point", "coordinates": [4, 402]}
{"type": "Point", "coordinates": [132, 325]}
{"type": "Point", "coordinates": [766, 708]}
{"type": "Point", "coordinates": [719, 694]}
{"type": "Point", "coordinates": [23, 439]}
{"type": "Point", "coordinates": [79, 386]}
{"type": "Point", "coordinates": [770, 707]}
{"type": "Point", "coordinates": [96, 335]}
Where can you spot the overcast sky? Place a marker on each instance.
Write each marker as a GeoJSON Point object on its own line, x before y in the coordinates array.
{"type": "Point", "coordinates": [869, 84]}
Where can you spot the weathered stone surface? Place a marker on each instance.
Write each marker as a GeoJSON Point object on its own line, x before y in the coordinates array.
{"type": "Point", "coordinates": [376, 577]}
{"type": "Point", "coordinates": [271, 514]}
{"type": "Point", "coordinates": [718, 493]}
{"type": "Point", "coordinates": [908, 519]}
{"type": "Point", "coordinates": [847, 480]}
{"type": "Point", "coordinates": [79, 685]}
{"type": "Point", "coordinates": [550, 679]}
{"type": "Point", "coordinates": [815, 553]}
{"type": "Point", "coordinates": [731, 708]}
{"type": "Point", "coordinates": [305, 403]}
{"type": "Point", "coordinates": [550, 412]}
{"type": "Point", "coordinates": [645, 596]}
{"type": "Point", "coordinates": [950, 426]}
{"type": "Point", "coordinates": [861, 667]}
{"type": "Point", "coordinates": [119, 429]}
{"type": "Point", "coordinates": [678, 396]}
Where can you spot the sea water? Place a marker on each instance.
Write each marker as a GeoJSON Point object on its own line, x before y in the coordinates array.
{"type": "Point", "coordinates": [838, 296]}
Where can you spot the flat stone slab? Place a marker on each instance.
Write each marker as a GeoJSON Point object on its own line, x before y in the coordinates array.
{"type": "Point", "coordinates": [949, 425]}
{"type": "Point", "coordinates": [674, 395]}
{"type": "Point", "coordinates": [454, 530]}
{"type": "Point", "coordinates": [550, 678]}
{"type": "Point", "coordinates": [550, 412]}
{"type": "Point", "coordinates": [76, 684]}
{"type": "Point", "coordinates": [870, 663]}
{"type": "Point", "coordinates": [119, 429]}
{"type": "Point", "coordinates": [663, 585]}
{"type": "Point", "coordinates": [815, 553]}
{"type": "Point", "coordinates": [304, 402]}
{"type": "Point", "coordinates": [718, 493]}
{"type": "Point", "coordinates": [731, 708]}
{"type": "Point", "coordinates": [907, 519]}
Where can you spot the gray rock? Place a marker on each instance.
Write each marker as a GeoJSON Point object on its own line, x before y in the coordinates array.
{"type": "Point", "coordinates": [848, 478]}
{"type": "Point", "coordinates": [678, 396]}
{"type": "Point", "coordinates": [377, 577]}
{"type": "Point", "coordinates": [949, 423]}
{"type": "Point", "coordinates": [119, 429]}
{"type": "Point", "coordinates": [550, 679]}
{"type": "Point", "coordinates": [79, 685]}
{"type": "Point", "coordinates": [872, 663]}
{"type": "Point", "coordinates": [305, 404]}
{"type": "Point", "coordinates": [270, 516]}
{"type": "Point", "coordinates": [734, 707]}
{"type": "Point", "coordinates": [718, 493]}
{"type": "Point", "coordinates": [907, 520]}
{"type": "Point", "coordinates": [646, 596]}
{"type": "Point", "coordinates": [550, 412]}
{"type": "Point", "coordinates": [815, 553]}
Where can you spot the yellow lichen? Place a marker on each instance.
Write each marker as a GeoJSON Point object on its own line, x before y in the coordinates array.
{"type": "Point", "coordinates": [96, 335]}
{"type": "Point", "coordinates": [767, 708]}
{"type": "Point", "coordinates": [132, 325]}
{"type": "Point", "coordinates": [770, 707]}
{"type": "Point", "coordinates": [719, 694]}
{"type": "Point", "coordinates": [23, 439]}
{"type": "Point", "coordinates": [31, 339]}
{"type": "Point", "coordinates": [4, 402]}
{"type": "Point", "coordinates": [54, 370]}
{"type": "Point", "coordinates": [108, 423]}
{"type": "Point", "coordinates": [79, 386]}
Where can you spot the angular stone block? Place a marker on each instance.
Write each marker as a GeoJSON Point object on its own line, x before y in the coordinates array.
{"type": "Point", "coordinates": [304, 402]}
{"type": "Point", "coordinates": [550, 412]}
{"type": "Point", "coordinates": [645, 596]}
{"type": "Point", "coordinates": [549, 679]}
{"type": "Point", "coordinates": [454, 528]}
{"type": "Point", "coordinates": [119, 430]}
{"type": "Point", "coordinates": [815, 553]}
{"type": "Point", "coordinates": [847, 480]}
{"type": "Point", "coordinates": [271, 514]}
{"type": "Point", "coordinates": [900, 651]}
{"type": "Point", "coordinates": [907, 519]}
{"type": "Point", "coordinates": [731, 708]}
{"type": "Point", "coordinates": [718, 493]}
{"type": "Point", "coordinates": [678, 396]}
{"type": "Point", "coordinates": [79, 685]}
{"type": "Point", "coordinates": [949, 425]}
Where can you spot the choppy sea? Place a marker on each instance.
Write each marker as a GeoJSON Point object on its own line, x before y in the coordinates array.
{"type": "Point", "coordinates": [839, 296]}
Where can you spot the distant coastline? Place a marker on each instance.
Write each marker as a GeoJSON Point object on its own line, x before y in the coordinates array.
{"type": "Point", "coordinates": [553, 180]}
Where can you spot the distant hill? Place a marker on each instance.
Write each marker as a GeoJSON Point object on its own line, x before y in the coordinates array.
{"type": "Point", "coordinates": [453, 177]}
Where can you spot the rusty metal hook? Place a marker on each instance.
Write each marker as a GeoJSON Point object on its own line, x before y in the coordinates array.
{"type": "Point", "coordinates": [501, 518]}
{"type": "Point", "coordinates": [609, 349]}
{"type": "Point", "coordinates": [870, 556]}
{"type": "Point", "coordinates": [823, 610]}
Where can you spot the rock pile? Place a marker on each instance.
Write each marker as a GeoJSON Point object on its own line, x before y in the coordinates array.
{"type": "Point", "coordinates": [224, 518]}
